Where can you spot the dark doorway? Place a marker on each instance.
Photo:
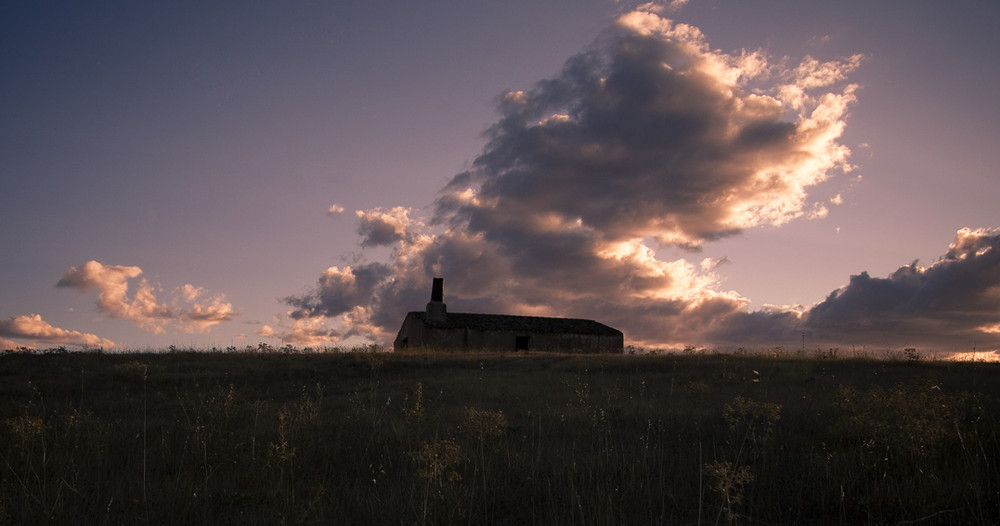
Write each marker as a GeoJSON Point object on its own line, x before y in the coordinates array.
{"type": "Point", "coordinates": [521, 343]}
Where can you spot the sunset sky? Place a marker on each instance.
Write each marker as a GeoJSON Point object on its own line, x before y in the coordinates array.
{"type": "Point", "coordinates": [715, 173]}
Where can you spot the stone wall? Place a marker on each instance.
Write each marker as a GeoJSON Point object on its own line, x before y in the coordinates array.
{"type": "Point", "coordinates": [416, 334]}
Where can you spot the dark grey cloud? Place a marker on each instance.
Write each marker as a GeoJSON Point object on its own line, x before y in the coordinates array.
{"type": "Point", "coordinates": [953, 303]}
{"type": "Point", "coordinates": [648, 135]}
{"type": "Point", "coordinates": [339, 290]}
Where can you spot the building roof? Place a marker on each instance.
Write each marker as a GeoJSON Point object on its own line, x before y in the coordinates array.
{"type": "Point", "coordinates": [506, 322]}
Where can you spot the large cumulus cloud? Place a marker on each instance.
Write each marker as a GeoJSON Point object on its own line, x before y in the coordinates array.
{"type": "Point", "coordinates": [653, 135]}
{"type": "Point", "coordinates": [647, 139]}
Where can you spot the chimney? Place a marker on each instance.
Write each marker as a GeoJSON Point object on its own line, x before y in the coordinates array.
{"type": "Point", "coordinates": [437, 292]}
{"type": "Point", "coordinates": [436, 310]}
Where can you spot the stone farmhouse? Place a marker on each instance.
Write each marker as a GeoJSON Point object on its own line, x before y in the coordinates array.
{"type": "Point", "coordinates": [436, 328]}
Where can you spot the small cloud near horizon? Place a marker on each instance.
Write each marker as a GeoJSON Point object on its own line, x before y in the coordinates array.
{"type": "Point", "coordinates": [34, 329]}
{"type": "Point", "coordinates": [190, 309]}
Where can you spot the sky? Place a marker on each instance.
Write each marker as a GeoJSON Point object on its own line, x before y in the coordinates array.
{"type": "Point", "coordinates": [711, 173]}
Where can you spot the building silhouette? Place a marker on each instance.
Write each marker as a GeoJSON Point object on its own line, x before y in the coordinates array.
{"type": "Point", "coordinates": [437, 329]}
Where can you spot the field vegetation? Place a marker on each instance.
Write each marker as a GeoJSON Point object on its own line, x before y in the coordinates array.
{"type": "Point", "coordinates": [276, 436]}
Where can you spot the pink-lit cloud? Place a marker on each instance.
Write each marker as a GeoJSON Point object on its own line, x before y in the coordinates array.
{"type": "Point", "coordinates": [6, 344]}
{"type": "Point", "coordinates": [189, 308]}
{"type": "Point", "coordinates": [302, 332]}
{"type": "Point", "coordinates": [32, 328]}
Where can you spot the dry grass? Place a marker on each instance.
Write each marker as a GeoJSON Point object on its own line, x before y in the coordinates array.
{"type": "Point", "coordinates": [280, 437]}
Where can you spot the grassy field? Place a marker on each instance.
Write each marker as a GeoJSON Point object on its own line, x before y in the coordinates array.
{"type": "Point", "coordinates": [372, 438]}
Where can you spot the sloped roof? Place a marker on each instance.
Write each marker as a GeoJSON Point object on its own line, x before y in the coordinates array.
{"type": "Point", "coordinates": [506, 322]}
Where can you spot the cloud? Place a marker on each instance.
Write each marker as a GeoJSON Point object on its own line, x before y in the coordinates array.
{"type": "Point", "coordinates": [335, 210]}
{"type": "Point", "coordinates": [310, 332]}
{"type": "Point", "coordinates": [383, 227]}
{"type": "Point", "coordinates": [187, 309]}
{"type": "Point", "coordinates": [339, 290]}
{"type": "Point", "coordinates": [654, 135]}
{"type": "Point", "coordinates": [648, 139]}
{"type": "Point", "coordinates": [661, 6]}
{"type": "Point", "coordinates": [954, 302]}
{"type": "Point", "coordinates": [303, 332]}
{"type": "Point", "coordinates": [676, 5]}
{"type": "Point", "coordinates": [33, 328]}
{"type": "Point", "coordinates": [6, 344]}
{"type": "Point", "coordinates": [200, 317]}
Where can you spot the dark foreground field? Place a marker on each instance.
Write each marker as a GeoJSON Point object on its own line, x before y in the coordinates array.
{"type": "Point", "coordinates": [364, 438]}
